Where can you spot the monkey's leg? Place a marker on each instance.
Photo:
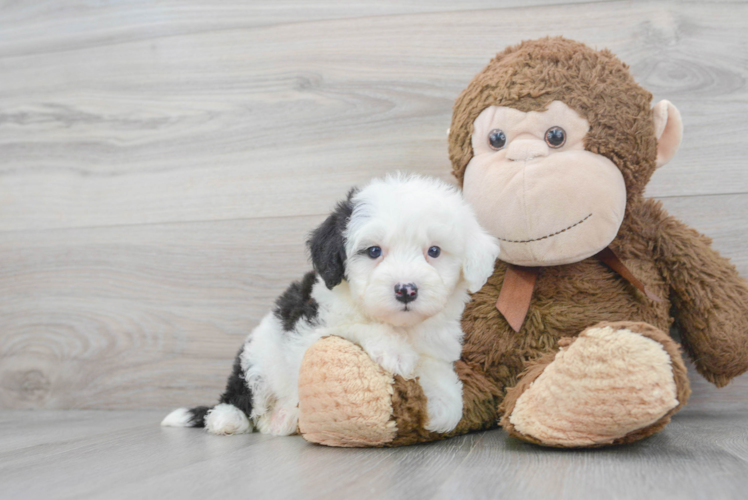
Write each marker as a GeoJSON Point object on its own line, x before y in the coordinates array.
{"type": "Point", "coordinates": [346, 399]}
{"type": "Point", "coordinates": [614, 383]}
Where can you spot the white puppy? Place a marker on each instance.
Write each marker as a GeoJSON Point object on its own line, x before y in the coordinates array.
{"type": "Point", "coordinates": [393, 266]}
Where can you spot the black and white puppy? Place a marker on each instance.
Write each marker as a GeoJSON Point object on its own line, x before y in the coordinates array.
{"type": "Point", "coordinates": [393, 265]}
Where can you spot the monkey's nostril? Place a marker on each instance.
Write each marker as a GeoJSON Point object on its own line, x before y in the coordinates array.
{"type": "Point", "coordinates": [526, 150]}
{"type": "Point", "coordinates": [406, 292]}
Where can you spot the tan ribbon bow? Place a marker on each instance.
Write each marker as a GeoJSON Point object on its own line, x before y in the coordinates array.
{"type": "Point", "coordinates": [519, 283]}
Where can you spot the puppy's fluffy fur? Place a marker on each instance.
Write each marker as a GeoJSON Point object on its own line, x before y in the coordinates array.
{"type": "Point", "coordinates": [353, 293]}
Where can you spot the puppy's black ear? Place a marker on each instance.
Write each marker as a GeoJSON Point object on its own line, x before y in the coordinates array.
{"type": "Point", "coordinates": [327, 244]}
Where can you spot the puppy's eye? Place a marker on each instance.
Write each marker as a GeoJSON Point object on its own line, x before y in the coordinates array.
{"type": "Point", "coordinates": [496, 139]}
{"type": "Point", "coordinates": [434, 252]}
{"type": "Point", "coordinates": [555, 137]}
{"type": "Point", "coordinates": [374, 252]}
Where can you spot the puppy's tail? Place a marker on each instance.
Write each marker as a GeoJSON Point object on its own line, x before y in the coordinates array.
{"type": "Point", "coordinates": [184, 417]}
{"type": "Point", "coordinates": [229, 416]}
{"type": "Point", "coordinates": [222, 419]}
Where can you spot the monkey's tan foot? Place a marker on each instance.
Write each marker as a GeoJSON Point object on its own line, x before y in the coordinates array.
{"type": "Point", "coordinates": [615, 383]}
{"type": "Point", "coordinates": [346, 399]}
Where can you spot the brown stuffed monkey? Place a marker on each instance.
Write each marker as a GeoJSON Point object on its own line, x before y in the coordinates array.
{"type": "Point", "coordinates": [566, 345]}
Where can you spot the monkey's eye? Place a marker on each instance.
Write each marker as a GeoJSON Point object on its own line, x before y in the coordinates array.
{"type": "Point", "coordinates": [555, 137]}
{"type": "Point", "coordinates": [496, 139]}
{"type": "Point", "coordinates": [374, 252]}
{"type": "Point", "coordinates": [434, 252]}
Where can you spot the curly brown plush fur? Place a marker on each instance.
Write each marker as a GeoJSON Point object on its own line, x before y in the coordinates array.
{"type": "Point", "coordinates": [707, 298]}
{"type": "Point", "coordinates": [702, 291]}
{"type": "Point", "coordinates": [597, 85]}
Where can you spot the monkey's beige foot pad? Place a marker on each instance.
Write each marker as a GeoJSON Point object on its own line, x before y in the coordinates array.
{"type": "Point", "coordinates": [345, 398]}
{"type": "Point", "coordinates": [609, 385]}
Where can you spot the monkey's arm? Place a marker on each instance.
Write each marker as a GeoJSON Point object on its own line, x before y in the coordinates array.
{"type": "Point", "coordinates": [710, 300]}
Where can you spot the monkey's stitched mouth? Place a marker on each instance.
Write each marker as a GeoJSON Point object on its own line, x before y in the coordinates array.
{"type": "Point", "coordinates": [547, 235]}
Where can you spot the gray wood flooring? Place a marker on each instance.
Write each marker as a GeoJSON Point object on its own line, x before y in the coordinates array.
{"type": "Point", "coordinates": [703, 454]}
{"type": "Point", "coordinates": [161, 164]}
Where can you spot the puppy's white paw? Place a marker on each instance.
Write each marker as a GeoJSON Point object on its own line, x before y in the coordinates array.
{"type": "Point", "coordinates": [284, 421]}
{"type": "Point", "coordinates": [397, 361]}
{"type": "Point", "coordinates": [263, 422]}
{"type": "Point", "coordinates": [227, 419]}
{"type": "Point", "coordinates": [444, 414]}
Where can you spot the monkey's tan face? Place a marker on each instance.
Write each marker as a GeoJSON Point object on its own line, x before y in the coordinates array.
{"type": "Point", "coordinates": [533, 186]}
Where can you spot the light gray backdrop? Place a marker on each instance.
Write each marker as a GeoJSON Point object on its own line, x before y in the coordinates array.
{"type": "Point", "coordinates": [161, 163]}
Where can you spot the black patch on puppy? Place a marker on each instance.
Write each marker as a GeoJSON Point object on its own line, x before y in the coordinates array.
{"type": "Point", "coordinates": [297, 302]}
{"type": "Point", "coordinates": [197, 416]}
{"type": "Point", "coordinates": [237, 393]}
{"type": "Point", "coordinates": [327, 245]}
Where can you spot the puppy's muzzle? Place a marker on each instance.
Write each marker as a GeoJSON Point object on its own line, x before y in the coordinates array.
{"type": "Point", "coordinates": [406, 293]}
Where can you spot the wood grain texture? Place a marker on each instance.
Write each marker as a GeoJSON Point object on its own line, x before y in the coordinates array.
{"type": "Point", "coordinates": [125, 454]}
{"type": "Point", "coordinates": [150, 316]}
{"type": "Point", "coordinates": [79, 24]}
{"type": "Point", "coordinates": [137, 316]}
{"type": "Point", "coordinates": [161, 164]}
{"type": "Point", "coordinates": [221, 124]}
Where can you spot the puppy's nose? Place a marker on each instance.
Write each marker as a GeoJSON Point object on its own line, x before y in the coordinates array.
{"type": "Point", "coordinates": [406, 293]}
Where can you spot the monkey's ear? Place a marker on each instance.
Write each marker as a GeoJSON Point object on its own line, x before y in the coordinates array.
{"type": "Point", "coordinates": [668, 131]}
{"type": "Point", "coordinates": [327, 244]}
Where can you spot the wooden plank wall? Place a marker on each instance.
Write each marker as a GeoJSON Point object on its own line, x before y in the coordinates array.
{"type": "Point", "coordinates": [162, 162]}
